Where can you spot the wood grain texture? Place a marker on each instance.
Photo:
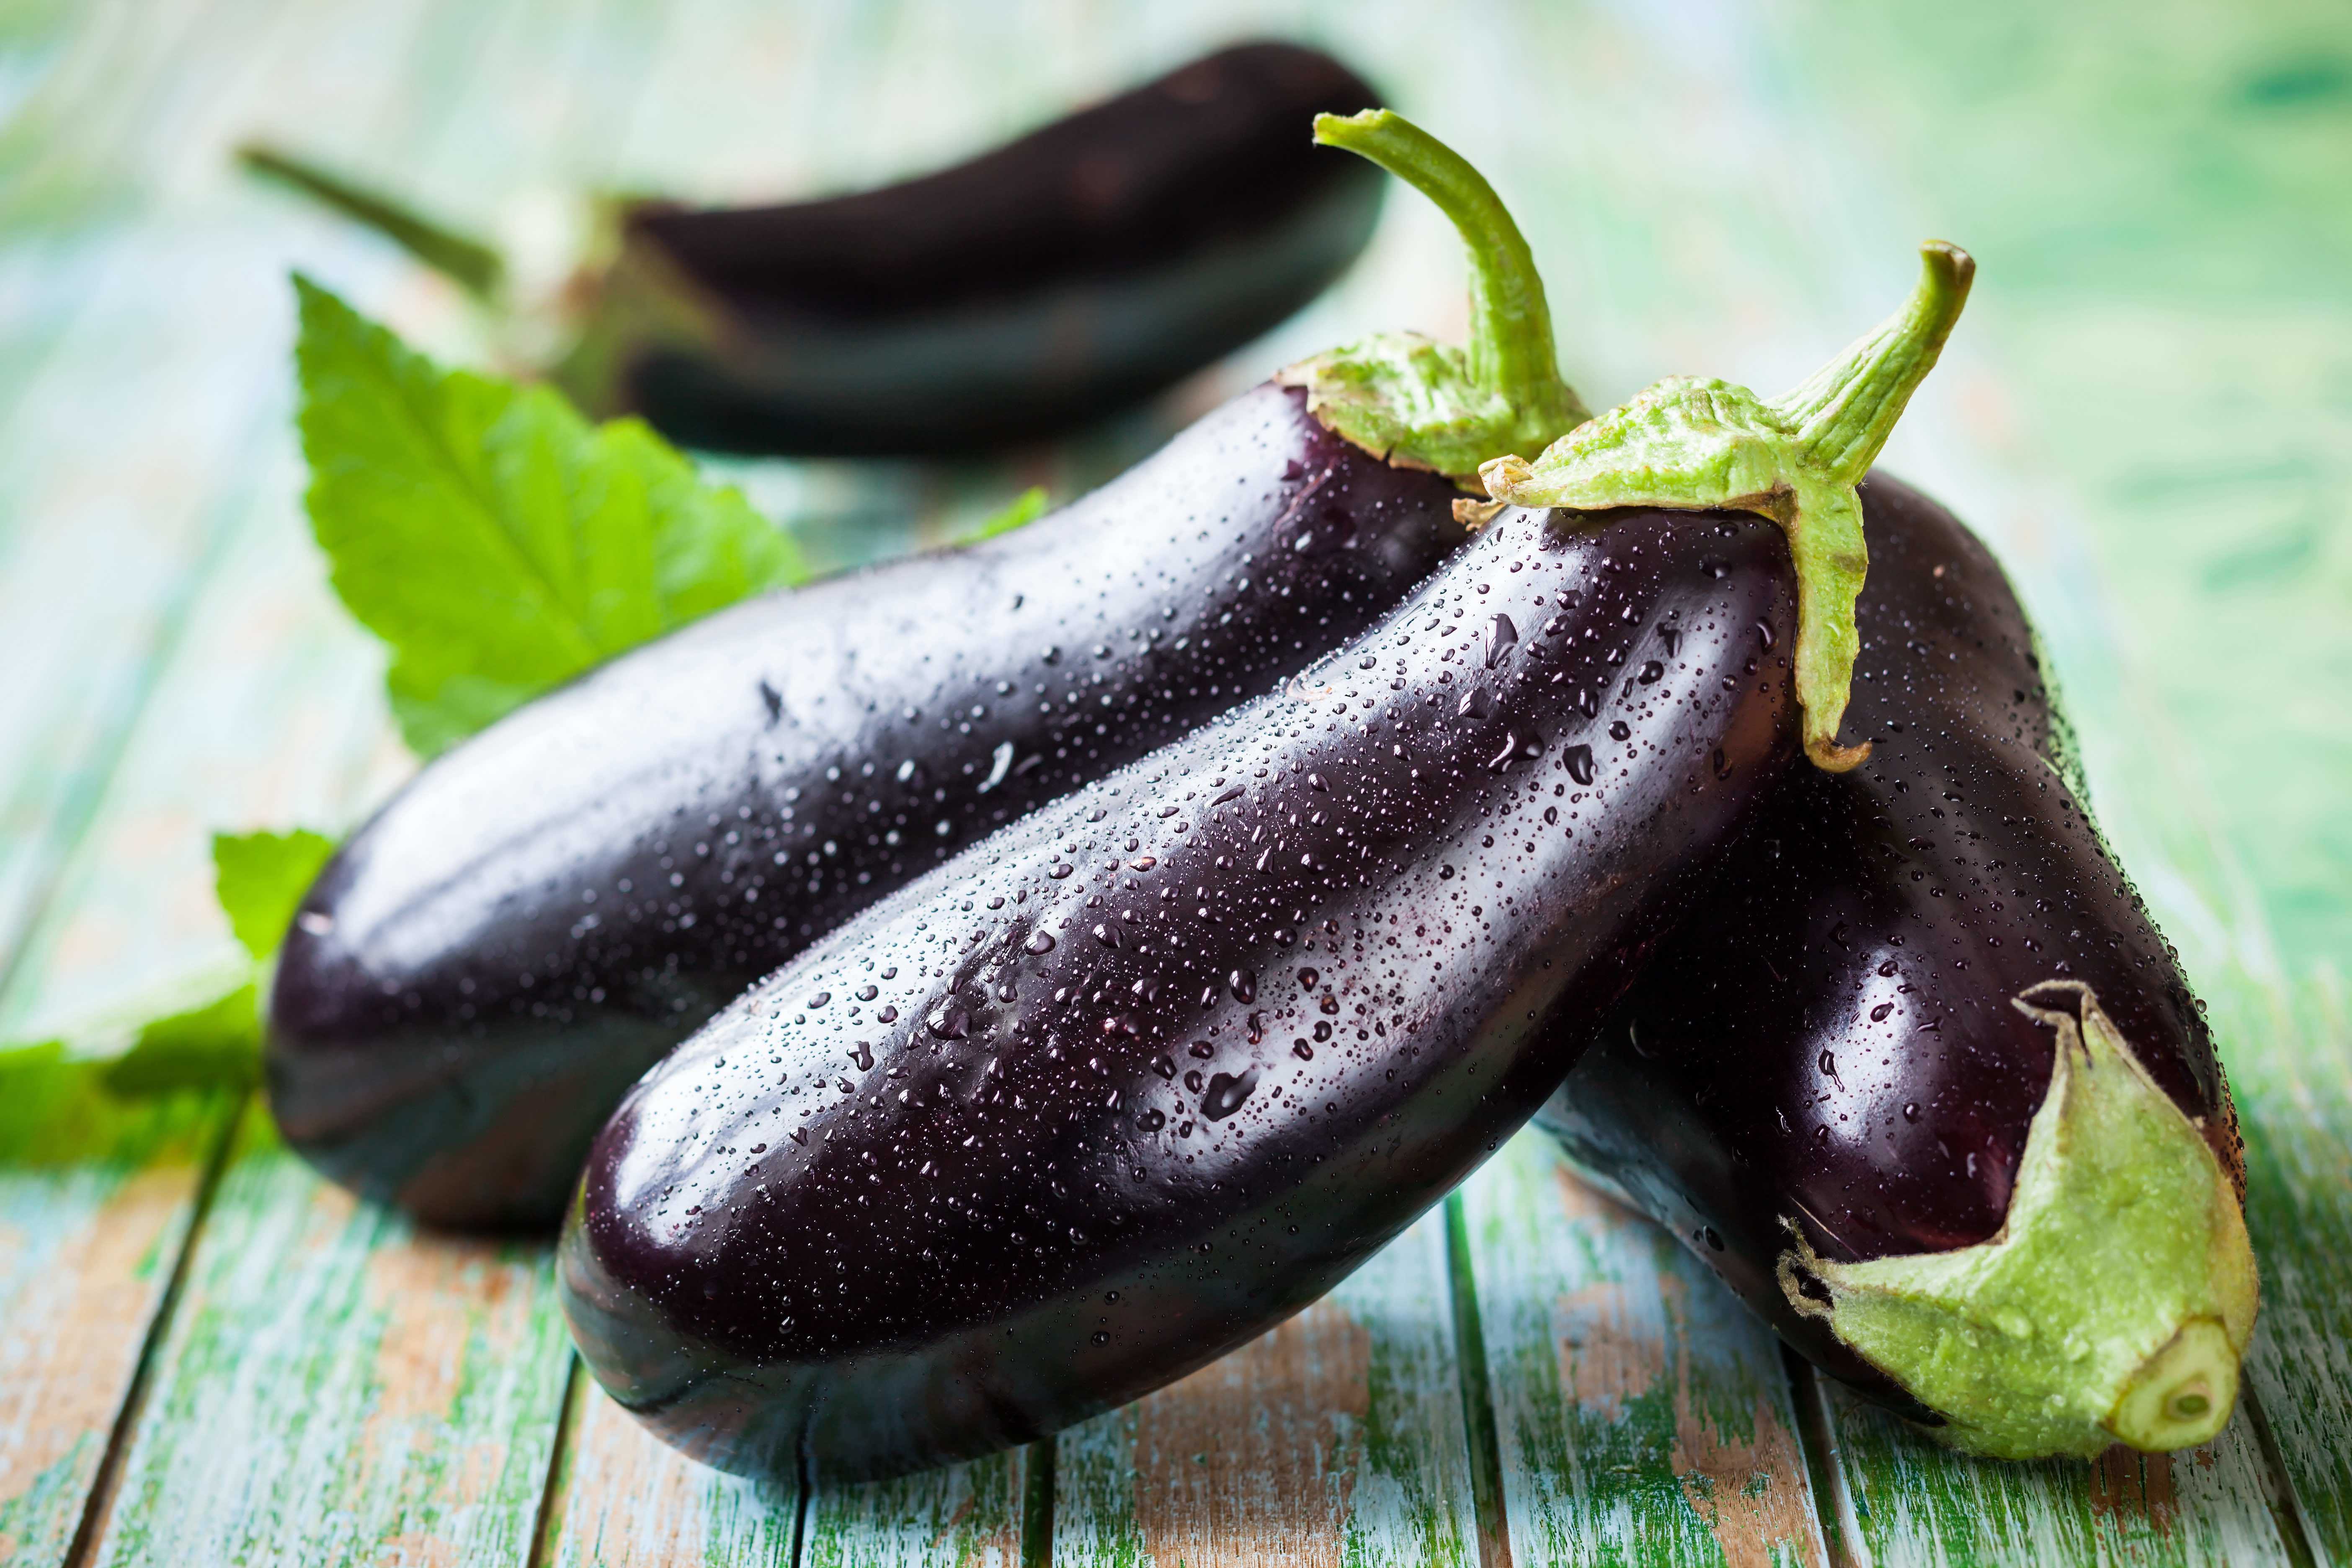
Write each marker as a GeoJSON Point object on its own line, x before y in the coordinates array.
{"type": "Point", "coordinates": [337, 1388]}
{"type": "Point", "coordinates": [96, 1197]}
{"type": "Point", "coordinates": [1900, 1500]}
{"type": "Point", "coordinates": [2147, 412]}
{"type": "Point", "coordinates": [1641, 1415]}
{"type": "Point", "coordinates": [964, 1516]}
{"type": "Point", "coordinates": [623, 1499]}
{"type": "Point", "coordinates": [1336, 1439]}
{"type": "Point", "coordinates": [2292, 1069]}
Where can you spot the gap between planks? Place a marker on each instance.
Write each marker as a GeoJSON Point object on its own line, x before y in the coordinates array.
{"type": "Point", "coordinates": [100, 1504]}
{"type": "Point", "coordinates": [1478, 1398]}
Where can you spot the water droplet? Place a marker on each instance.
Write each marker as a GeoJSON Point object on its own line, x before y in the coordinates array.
{"type": "Point", "coordinates": [863, 1055]}
{"type": "Point", "coordinates": [819, 1000]}
{"type": "Point", "coordinates": [1302, 1050]}
{"type": "Point", "coordinates": [1578, 760]}
{"type": "Point", "coordinates": [1000, 764]}
{"type": "Point", "coordinates": [947, 1022]}
{"type": "Point", "coordinates": [1501, 638]}
{"type": "Point", "coordinates": [1244, 987]}
{"type": "Point", "coordinates": [1202, 1049]}
{"type": "Point", "coordinates": [1060, 870]}
{"type": "Point", "coordinates": [1307, 979]}
{"type": "Point", "coordinates": [1039, 943]}
{"type": "Point", "coordinates": [1878, 1013]}
{"type": "Point", "coordinates": [1151, 1121]}
{"type": "Point", "coordinates": [1226, 1093]}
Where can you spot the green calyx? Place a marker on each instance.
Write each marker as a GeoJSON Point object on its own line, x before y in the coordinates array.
{"type": "Point", "coordinates": [1697, 444]}
{"type": "Point", "coordinates": [1425, 404]}
{"type": "Point", "coordinates": [2118, 1300]}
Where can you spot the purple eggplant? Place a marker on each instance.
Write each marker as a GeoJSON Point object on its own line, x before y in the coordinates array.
{"type": "Point", "coordinates": [1136, 1078]}
{"type": "Point", "coordinates": [1128, 1083]}
{"type": "Point", "coordinates": [545, 911]}
{"type": "Point", "coordinates": [1062, 277]}
{"type": "Point", "coordinates": [1921, 1079]}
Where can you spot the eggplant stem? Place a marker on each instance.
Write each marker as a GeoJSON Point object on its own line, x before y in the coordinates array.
{"type": "Point", "coordinates": [475, 266]}
{"type": "Point", "coordinates": [1511, 351]}
{"type": "Point", "coordinates": [1843, 412]}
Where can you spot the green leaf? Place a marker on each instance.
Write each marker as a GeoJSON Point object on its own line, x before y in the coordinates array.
{"type": "Point", "coordinates": [218, 1044]}
{"type": "Point", "coordinates": [493, 538]}
{"type": "Point", "coordinates": [260, 877]}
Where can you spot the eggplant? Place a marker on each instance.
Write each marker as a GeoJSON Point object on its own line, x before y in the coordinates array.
{"type": "Point", "coordinates": [1128, 1083]}
{"type": "Point", "coordinates": [486, 966]}
{"type": "Point", "coordinates": [1125, 1084]}
{"type": "Point", "coordinates": [1921, 1080]}
{"type": "Point", "coordinates": [1062, 277]}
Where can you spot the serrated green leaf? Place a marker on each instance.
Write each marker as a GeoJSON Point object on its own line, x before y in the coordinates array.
{"type": "Point", "coordinates": [217, 1044]}
{"type": "Point", "coordinates": [260, 877]}
{"type": "Point", "coordinates": [493, 538]}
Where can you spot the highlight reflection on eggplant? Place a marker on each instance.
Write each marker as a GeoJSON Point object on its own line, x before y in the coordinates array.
{"type": "Point", "coordinates": [1060, 278]}
{"type": "Point", "coordinates": [1138, 1077]}
{"type": "Point", "coordinates": [1132, 1080]}
{"type": "Point", "coordinates": [1836, 1083]}
{"type": "Point", "coordinates": [541, 913]}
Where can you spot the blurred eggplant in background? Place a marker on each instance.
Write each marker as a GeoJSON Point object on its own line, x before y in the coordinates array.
{"type": "Point", "coordinates": [1061, 278]}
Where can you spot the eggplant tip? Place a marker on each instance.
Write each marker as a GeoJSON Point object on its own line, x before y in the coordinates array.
{"type": "Point", "coordinates": [2182, 1396]}
{"type": "Point", "coordinates": [2117, 1298]}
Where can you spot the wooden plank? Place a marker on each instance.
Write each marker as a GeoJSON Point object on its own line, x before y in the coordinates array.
{"type": "Point", "coordinates": [1900, 1498]}
{"type": "Point", "coordinates": [255, 702]}
{"type": "Point", "coordinates": [336, 1387]}
{"type": "Point", "coordinates": [96, 1197]}
{"type": "Point", "coordinates": [1642, 1414]}
{"type": "Point", "coordinates": [2292, 1069]}
{"type": "Point", "coordinates": [623, 1499]}
{"type": "Point", "coordinates": [963, 1516]}
{"type": "Point", "coordinates": [1336, 1438]}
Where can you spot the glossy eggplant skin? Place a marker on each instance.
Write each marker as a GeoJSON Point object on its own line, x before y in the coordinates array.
{"type": "Point", "coordinates": [1041, 286]}
{"type": "Point", "coordinates": [539, 915]}
{"type": "Point", "coordinates": [1137, 1078]}
{"type": "Point", "coordinates": [1830, 1039]}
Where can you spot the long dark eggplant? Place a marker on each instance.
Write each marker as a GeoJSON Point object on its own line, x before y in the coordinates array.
{"type": "Point", "coordinates": [1922, 1080]}
{"type": "Point", "coordinates": [1065, 276]}
{"type": "Point", "coordinates": [487, 966]}
{"type": "Point", "coordinates": [1138, 1077]}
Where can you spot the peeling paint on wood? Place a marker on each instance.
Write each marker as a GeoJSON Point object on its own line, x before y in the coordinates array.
{"type": "Point", "coordinates": [1642, 1414]}
{"type": "Point", "coordinates": [336, 1387]}
{"type": "Point", "coordinates": [2180, 533]}
{"type": "Point", "coordinates": [1335, 1440]}
{"type": "Point", "coordinates": [963, 1516]}
{"type": "Point", "coordinates": [1912, 1502]}
{"type": "Point", "coordinates": [95, 1202]}
{"type": "Point", "coordinates": [626, 1499]}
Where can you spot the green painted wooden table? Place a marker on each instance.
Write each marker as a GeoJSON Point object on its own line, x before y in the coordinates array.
{"type": "Point", "coordinates": [208, 1356]}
